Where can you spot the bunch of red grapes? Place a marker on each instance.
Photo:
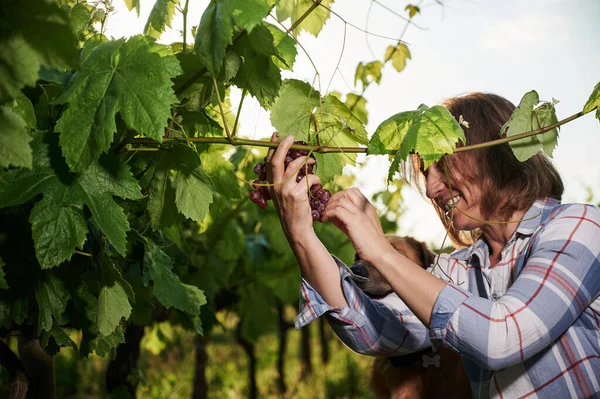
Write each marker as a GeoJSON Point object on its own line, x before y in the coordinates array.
{"type": "Point", "coordinates": [318, 196]}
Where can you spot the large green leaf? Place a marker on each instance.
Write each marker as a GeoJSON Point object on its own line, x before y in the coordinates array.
{"type": "Point", "coordinates": [338, 128]}
{"type": "Point", "coordinates": [160, 17]}
{"type": "Point", "coordinates": [434, 134]}
{"type": "Point", "coordinates": [57, 221]}
{"type": "Point", "coordinates": [113, 305]}
{"type": "Point", "coordinates": [127, 77]}
{"type": "Point", "coordinates": [167, 287]}
{"type": "Point", "coordinates": [249, 13]}
{"type": "Point", "coordinates": [179, 184]}
{"type": "Point", "coordinates": [593, 102]}
{"type": "Point", "coordinates": [17, 118]}
{"type": "Point", "coordinates": [530, 116]}
{"type": "Point", "coordinates": [430, 132]}
{"type": "Point", "coordinates": [286, 47]}
{"type": "Point", "coordinates": [32, 33]}
{"type": "Point", "coordinates": [291, 113]}
{"type": "Point", "coordinates": [390, 133]}
{"type": "Point", "coordinates": [298, 109]}
{"type": "Point", "coordinates": [52, 297]}
{"type": "Point", "coordinates": [193, 187]}
{"type": "Point", "coordinates": [161, 198]}
{"type": "Point", "coordinates": [214, 35]}
{"type": "Point", "coordinates": [295, 9]}
{"type": "Point", "coordinates": [259, 73]}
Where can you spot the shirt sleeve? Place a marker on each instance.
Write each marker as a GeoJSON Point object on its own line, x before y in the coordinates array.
{"type": "Point", "coordinates": [559, 280]}
{"type": "Point", "coordinates": [371, 327]}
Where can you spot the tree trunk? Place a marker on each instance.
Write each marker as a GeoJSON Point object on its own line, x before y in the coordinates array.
{"type": "Point", "coordinates": [249, 349]}
{"type": "Point", "coordinates": [305, 363]}
{"type": "Point", "coordinates": [125, 362]}
{"type": "Point", "coordinates": [39, 367]}
{"type": "Point", "coordinates": [284, 326]}
{"type": "Point", "coordinates": [324, 341]}
{"type": "Point", "coordinates": [16, 372]}
{"type": "Point", "coordinates": [201, 361]}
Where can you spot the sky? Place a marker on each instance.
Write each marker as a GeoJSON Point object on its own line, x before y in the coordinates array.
{"type": "Point", "coordinates": [504, 47]}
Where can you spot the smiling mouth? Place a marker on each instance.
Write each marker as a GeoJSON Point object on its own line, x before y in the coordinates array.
{"type": "Point", "coordinates": [452, 202]}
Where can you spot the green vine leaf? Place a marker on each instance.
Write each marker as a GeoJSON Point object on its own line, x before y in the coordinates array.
{"type": "Point", "coordinates": [358, 105]}
{"type": "Point", "coordinates": [179, 184]}
{"type": "Point", "coordinates": [430, 132]}
{"type": "Point", "coordinates": [259, 73]}
{"type": "Point", "coordinates": [286, 47]}
{"type": "Point", "coordinates": [398, 55]}
{"type": "Point", "coordinates": [160, 17]}
{"type": "Point", "coordinates": [291, 112]}
{"type": "Point", "coordinates": [412, 10]}
{"type": "Point", "coordinates": [57, 221]}
{"type": "Point", "coordinates": [368, 73]}
{"type": "Point", "coordinates": [593, 102]}
{"type": "Point", "coordinates": [214, 35]}
{"type": "Point", "coordinates": [59, 336]}
{"type": "Point", "coordinates": [110, 80]}
{"type": "Point", "coordinates": [32, 33]}
{"type": "Point", "coordinates": [131, 4]}
{"type": "Point", "coordinates": [389, 135]}
{"type": "Point", "coordinates": [295, 9]}
{"type": "Point", "coordinates": [168, 289]}
{"type": "Point", "coordinates": [17, 119]}
{"type": "Point", "coordinates": [249, 13]}
{"type": "Point", "coordinates": [80, 17]}
{"type": "Point", "coordinates": [530, 116]}
{"type": "Point", "coordinates": [298, 111]}
{"type": "Point", "coordinates": [102, 345]}
{"type": "Point", "coordinates": [193, 187]}
{"type": "Point", "coordinates": [113, 305]}
{"type": "Point", "coordinates": [161, 198]}
{"type": "Point", "coordinates": [52, 297]}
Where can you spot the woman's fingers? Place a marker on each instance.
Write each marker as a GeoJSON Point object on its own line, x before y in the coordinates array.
{"type": "Point", "coordinates": [277, 165]}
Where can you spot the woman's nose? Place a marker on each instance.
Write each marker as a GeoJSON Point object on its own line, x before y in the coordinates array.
{"type": "Point", "coordinates": [434, 182]}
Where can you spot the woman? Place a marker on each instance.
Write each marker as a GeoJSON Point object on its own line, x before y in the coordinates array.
{"type": "Point", "coordinates": [520, 303]}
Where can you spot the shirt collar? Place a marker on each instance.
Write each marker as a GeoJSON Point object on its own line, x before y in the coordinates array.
{"type": "Point", "coordinates": [535, 215]}
{"type": "Point", "coordinates": [530, 222]}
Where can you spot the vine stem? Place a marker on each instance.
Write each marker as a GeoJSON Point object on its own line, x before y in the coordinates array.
{"type": "Point", "coordinates": [522, 135]}
{"type": "Point", "coordinates": [355, 150]}
{"type": "Point", "coordinates": [227, 131]}
{"type": "Point", "coordinates": [237, 116]}
{"type": "Point", "coordinates": [184, 11]}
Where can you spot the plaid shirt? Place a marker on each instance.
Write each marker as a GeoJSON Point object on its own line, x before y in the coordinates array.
{"type": "Point", "coordinates": [527, 327]}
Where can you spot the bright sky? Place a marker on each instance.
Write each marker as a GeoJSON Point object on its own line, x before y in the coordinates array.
{"type": "Point", "coordinates": [505, 47]}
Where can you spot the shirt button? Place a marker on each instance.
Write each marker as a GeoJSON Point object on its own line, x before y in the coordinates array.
{"type": "Point", "coordinates": [494, 296]}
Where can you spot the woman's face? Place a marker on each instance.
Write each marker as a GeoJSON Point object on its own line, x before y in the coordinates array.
{"type": "Point", "coordinates": [464, 195]}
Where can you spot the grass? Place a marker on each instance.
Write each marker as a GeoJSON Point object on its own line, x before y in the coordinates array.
{"type": "Point", "coordinates": [166, 367]}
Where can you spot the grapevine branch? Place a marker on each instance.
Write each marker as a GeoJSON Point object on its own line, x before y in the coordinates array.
{"type": "Point", "coordinates": [356, 150]}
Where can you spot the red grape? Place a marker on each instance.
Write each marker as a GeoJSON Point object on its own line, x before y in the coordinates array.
{"type": "Point", "coordinates": [317, 195]}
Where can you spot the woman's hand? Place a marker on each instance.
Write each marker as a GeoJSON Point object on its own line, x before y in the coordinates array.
{"type": "Point", "coordinates": [290, 197]}
{"type": "Point", "coordinates": [351, 212]}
